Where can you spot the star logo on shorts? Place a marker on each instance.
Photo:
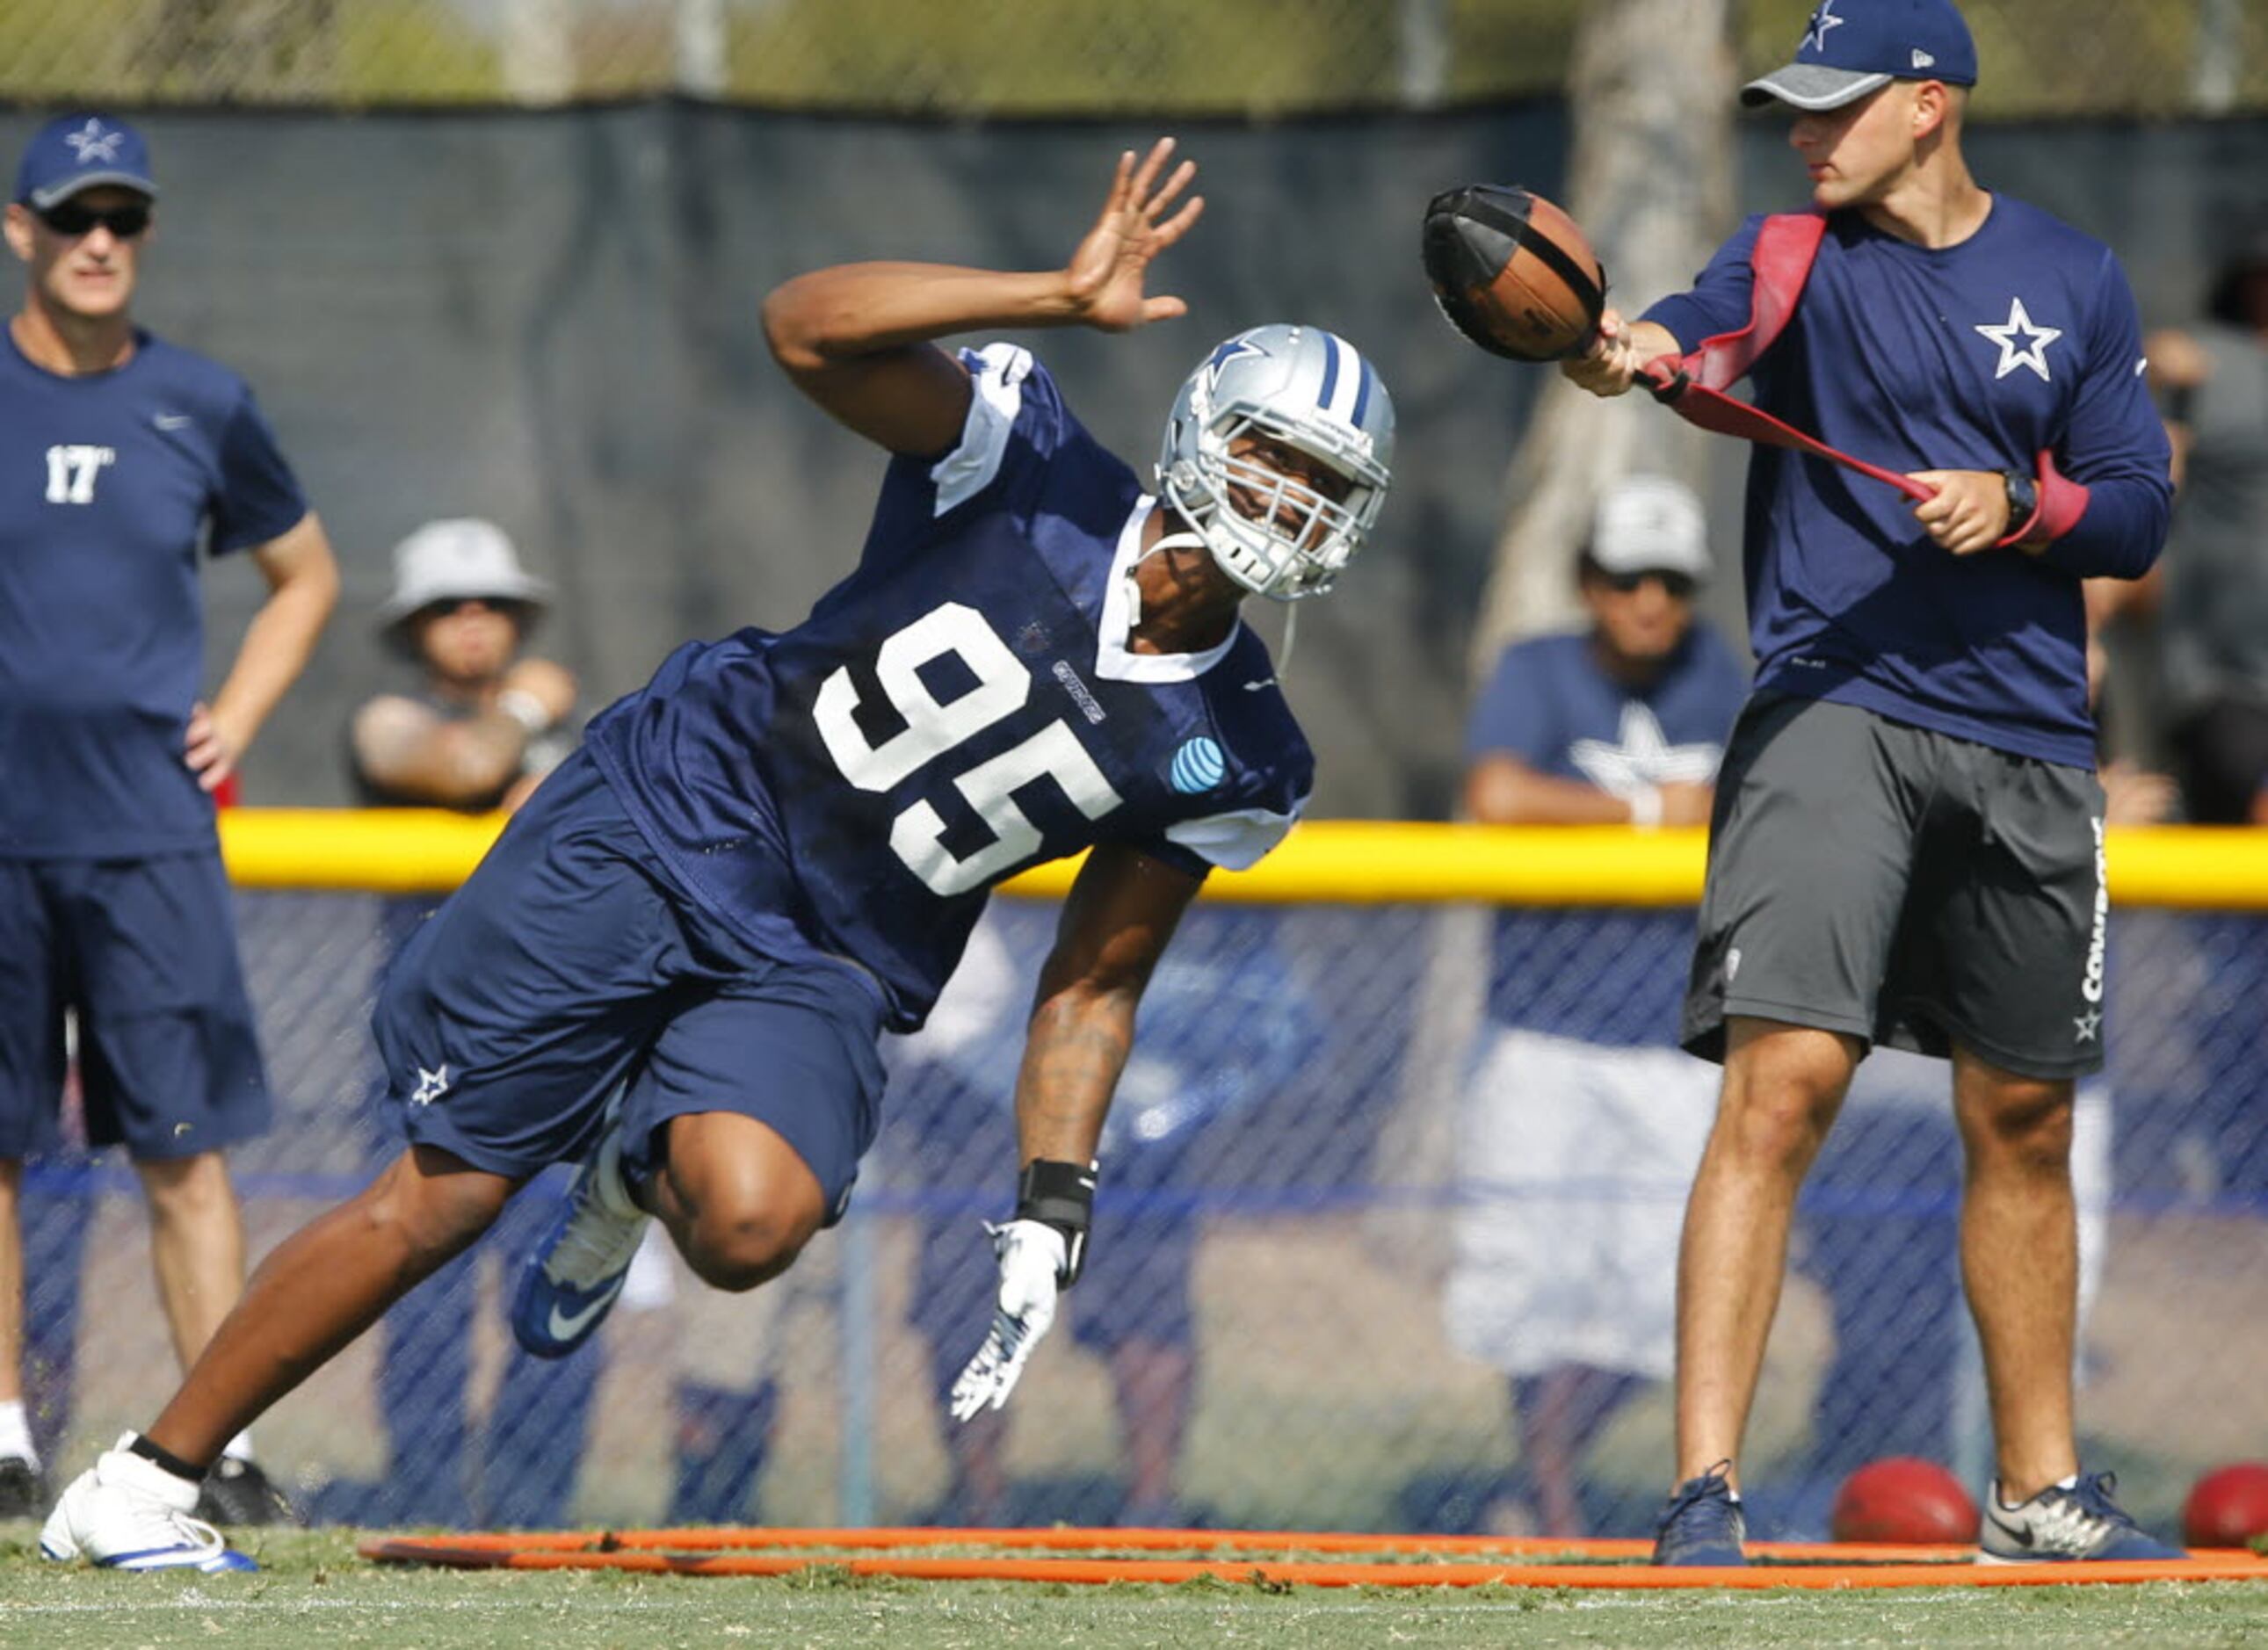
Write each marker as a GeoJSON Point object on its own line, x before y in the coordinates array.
{"type": "Point", "coordinates": [2033, 354]}
{"type": "Point", "coordinates": [430, 1085]}
{"type": "Point", "coordinates": [2088, 1025]}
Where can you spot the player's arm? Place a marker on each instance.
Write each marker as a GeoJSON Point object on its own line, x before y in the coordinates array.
{"type": "Point", "coordinates": [1720, 301]}
{"type": "Point", "coordinates": [413, 756]}
{"type": "Point", "coordinates": [859, 338]}
{"type": "Point", "coordinates": [1123, 909]}
{"type": "Point", "coordinates": [1500, 788]}
{"type": "Point", "coordinates": [303, 587]}
{"type": "Point", "coordinates": [2178, 369]}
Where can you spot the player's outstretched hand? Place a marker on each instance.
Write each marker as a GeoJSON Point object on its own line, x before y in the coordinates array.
{"type": "Point", "coordinates": [1032, 1256]}
{"type": "Point", "coordinates": [1105, 276]}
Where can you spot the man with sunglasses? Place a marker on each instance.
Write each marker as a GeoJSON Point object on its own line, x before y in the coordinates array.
{"type": "Point", "coordinates": [1625, 720]}
{"type": "Point", "coordinates": [122, 461]}
{"type": "Point", "coordinates": [1908, 848]}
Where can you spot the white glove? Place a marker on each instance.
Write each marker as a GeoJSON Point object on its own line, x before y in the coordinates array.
{"type": "Point", "coordinates": [1032, 1254]}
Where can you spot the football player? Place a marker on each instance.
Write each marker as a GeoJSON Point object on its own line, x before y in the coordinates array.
{"type": "Point", "coordinates": [676, 962]}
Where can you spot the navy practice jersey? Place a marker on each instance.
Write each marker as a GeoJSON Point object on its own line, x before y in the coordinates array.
{"type": "Point", "coordinates": [1969, 357]}
{"type": "Point", "coordinates": [1549, 705]}
{"type": "Point", "coordinates": [109, 485]}
{"type": "Point", "coordinates": [964, 705]}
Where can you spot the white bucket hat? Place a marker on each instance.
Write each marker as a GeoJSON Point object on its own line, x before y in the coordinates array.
{"type": "Point", "coordinates": [1650, 524]}
{"type": "Point", "coordinates": [455, 560]}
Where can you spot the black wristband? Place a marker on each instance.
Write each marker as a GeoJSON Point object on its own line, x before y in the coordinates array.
{"type": "Point", "coordinates": [1060, 1194]}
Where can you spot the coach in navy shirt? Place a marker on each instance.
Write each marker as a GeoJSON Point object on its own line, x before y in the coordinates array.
{"type": "Point", "coordinates": [1907, 843]}
{"type": "Point", "coordinates": [124, 461]}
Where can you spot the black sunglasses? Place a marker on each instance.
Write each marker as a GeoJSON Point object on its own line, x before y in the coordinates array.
{"type": "Point", "coordinates": [73, 217]}
{"type": "Point", "coordinates": [1680, 587]}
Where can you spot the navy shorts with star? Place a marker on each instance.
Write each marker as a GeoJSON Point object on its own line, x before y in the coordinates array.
{"type": "Point", "coordinates": [143, 952]}
{"type": "Point", "coordinates": [566, 966]}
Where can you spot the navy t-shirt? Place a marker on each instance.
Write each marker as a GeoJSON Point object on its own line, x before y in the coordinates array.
{"type": "Point", "coordinates": [110, 485]}
{"type": "Point", "coordinates": [963, 706]}
{"type": "Point", "coordinates": [1609, 977]}
{"type": "Point", "coordinates": [1974, 357]}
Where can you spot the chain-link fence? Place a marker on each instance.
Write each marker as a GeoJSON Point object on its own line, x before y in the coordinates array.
{"type": "Point", "coordinates": [1008, 57]}
{"type": "Point", "coordinates": [1385, 1240]}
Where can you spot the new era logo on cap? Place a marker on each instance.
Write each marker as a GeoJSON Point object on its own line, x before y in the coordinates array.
{"type": "Point", "coordinates": [78, 152]}
{"type": "Point", "coordinates": [1852, 47]}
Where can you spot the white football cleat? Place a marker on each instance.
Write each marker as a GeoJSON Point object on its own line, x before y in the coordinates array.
{"type": "Point", "coordinates": [128, 1513]}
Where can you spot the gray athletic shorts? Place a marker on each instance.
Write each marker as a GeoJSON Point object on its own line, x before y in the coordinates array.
{"type": "Point", "coordinates": [1902, 885]}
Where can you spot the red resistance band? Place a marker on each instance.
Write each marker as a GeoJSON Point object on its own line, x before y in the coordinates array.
{"type": "Point", "coordinates": [1693, 386]}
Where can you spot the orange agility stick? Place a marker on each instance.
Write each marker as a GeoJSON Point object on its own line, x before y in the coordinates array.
{"type": "Point", "coordinates": [1068, 1538]}
{"type": "Point", "coordinates": [613, 1552]}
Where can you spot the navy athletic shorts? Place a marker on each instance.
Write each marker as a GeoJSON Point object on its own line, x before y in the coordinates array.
{"type": "Point", "coordinates": [144, 952]}
{"type": "Point", "coordinates": [567, 965]}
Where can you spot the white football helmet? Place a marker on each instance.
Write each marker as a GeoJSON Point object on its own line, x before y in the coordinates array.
{"type": "Point", "coordinates": [1307, 390]}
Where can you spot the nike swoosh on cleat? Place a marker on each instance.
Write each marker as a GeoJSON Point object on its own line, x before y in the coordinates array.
{"type": "Point", "coordinates": [565, 1326]}
{"type": "Point", "coordinates": [2022, 1537]}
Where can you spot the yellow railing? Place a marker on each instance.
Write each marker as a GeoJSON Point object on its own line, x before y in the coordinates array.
{"type": "Point", "coordinates": [1324, 861]}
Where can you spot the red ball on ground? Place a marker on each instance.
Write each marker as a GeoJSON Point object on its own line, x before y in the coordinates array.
{"type": "Point", "coordinates": [1903, 1500]}
{"type": "Point", "coordinates": [2228, 1507]}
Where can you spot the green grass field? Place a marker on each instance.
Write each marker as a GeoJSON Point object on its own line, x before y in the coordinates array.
{"type": "Point", "coordinates": [316, 1592]}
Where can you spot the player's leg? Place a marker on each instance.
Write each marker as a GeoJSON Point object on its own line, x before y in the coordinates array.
{"type": "Point", "coordinates": [1810, 857]}
{"type": "Point", "coordinates": [197, 1245]}
{"type": "Point", "coordinates": [1782, 1086]}
{"type": "Point", "coordinates": [737, 1199]}
{"type": "Point", "coordinates": [34, 1063]}
{"type": "Point", "coordinates": [740, 1126]}
{"type": "Point", "coordinates": [2020, 945]}
{"type": "Point", "coordinates": [319, 1289]}
{"type": "Point", "coordinates": [2020, 1261]}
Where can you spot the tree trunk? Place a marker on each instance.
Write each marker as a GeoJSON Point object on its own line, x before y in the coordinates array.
{"type": "Point", "coordinates": [1651, 180]}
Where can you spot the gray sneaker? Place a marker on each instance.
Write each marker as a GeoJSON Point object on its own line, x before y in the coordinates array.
{"type": "Point", "coordinates": [2078, 1520]}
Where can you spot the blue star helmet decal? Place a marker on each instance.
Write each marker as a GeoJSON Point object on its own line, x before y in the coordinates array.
{"type": "Point", "coordinates": [1198, 767]}
{"type": "Point", "coordinates": [1229, 350]}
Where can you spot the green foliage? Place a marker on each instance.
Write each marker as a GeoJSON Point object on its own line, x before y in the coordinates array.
{"type": "Point", "coordinates": [1035, 57]}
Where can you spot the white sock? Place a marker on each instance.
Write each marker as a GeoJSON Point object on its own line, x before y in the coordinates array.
{"type": "Point", "coordinates": [16, 1433]}
{"type": "Point", "coordinates": [240, 1447]}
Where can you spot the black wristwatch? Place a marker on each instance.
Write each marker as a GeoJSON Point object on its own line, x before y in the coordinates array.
{"type": "Point", "coordinates": [2023, 499]}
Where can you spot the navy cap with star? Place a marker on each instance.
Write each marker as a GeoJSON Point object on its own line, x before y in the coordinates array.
{"type": "Point", "coordinates": [1852, 47]}
{"type": "Point", "coordinates": [78, 152]}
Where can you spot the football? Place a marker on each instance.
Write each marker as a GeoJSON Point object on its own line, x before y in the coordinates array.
{"type": "Point", "coordinates": [1513, 272]}
{"type": "Point", "coordinates": [1902, 1499]}
{"type": "Point", "coordinates": [2227, 1507]}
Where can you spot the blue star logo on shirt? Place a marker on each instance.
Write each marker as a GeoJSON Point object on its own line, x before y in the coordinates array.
{"type": "Point", "coordinates": [1814, 33]}
{"type": "Point", "coordinates": [1229, 351]}
{"type": "Point", "coordinates": [430, 1085]}
{"type": "Point", "coordinates": [2033, 354]}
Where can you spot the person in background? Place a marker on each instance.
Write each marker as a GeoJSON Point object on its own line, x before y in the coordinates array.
{"type": "Point", "coordinates": [485, 722]}
{"type": "Point", "coordinates": [130, 460]}
{"type": "Point", "coordinates": [482, 725]}
{"type": "Point", "coordinates": [2212, 618]}
{"type": "Point", "coordinates": [1584, 1121]}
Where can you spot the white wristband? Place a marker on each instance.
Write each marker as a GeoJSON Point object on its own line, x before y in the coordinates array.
{"type": "Point", "coordinates": [1645, 809]}
{"type": "Point", "coordinates": [525, 708]}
